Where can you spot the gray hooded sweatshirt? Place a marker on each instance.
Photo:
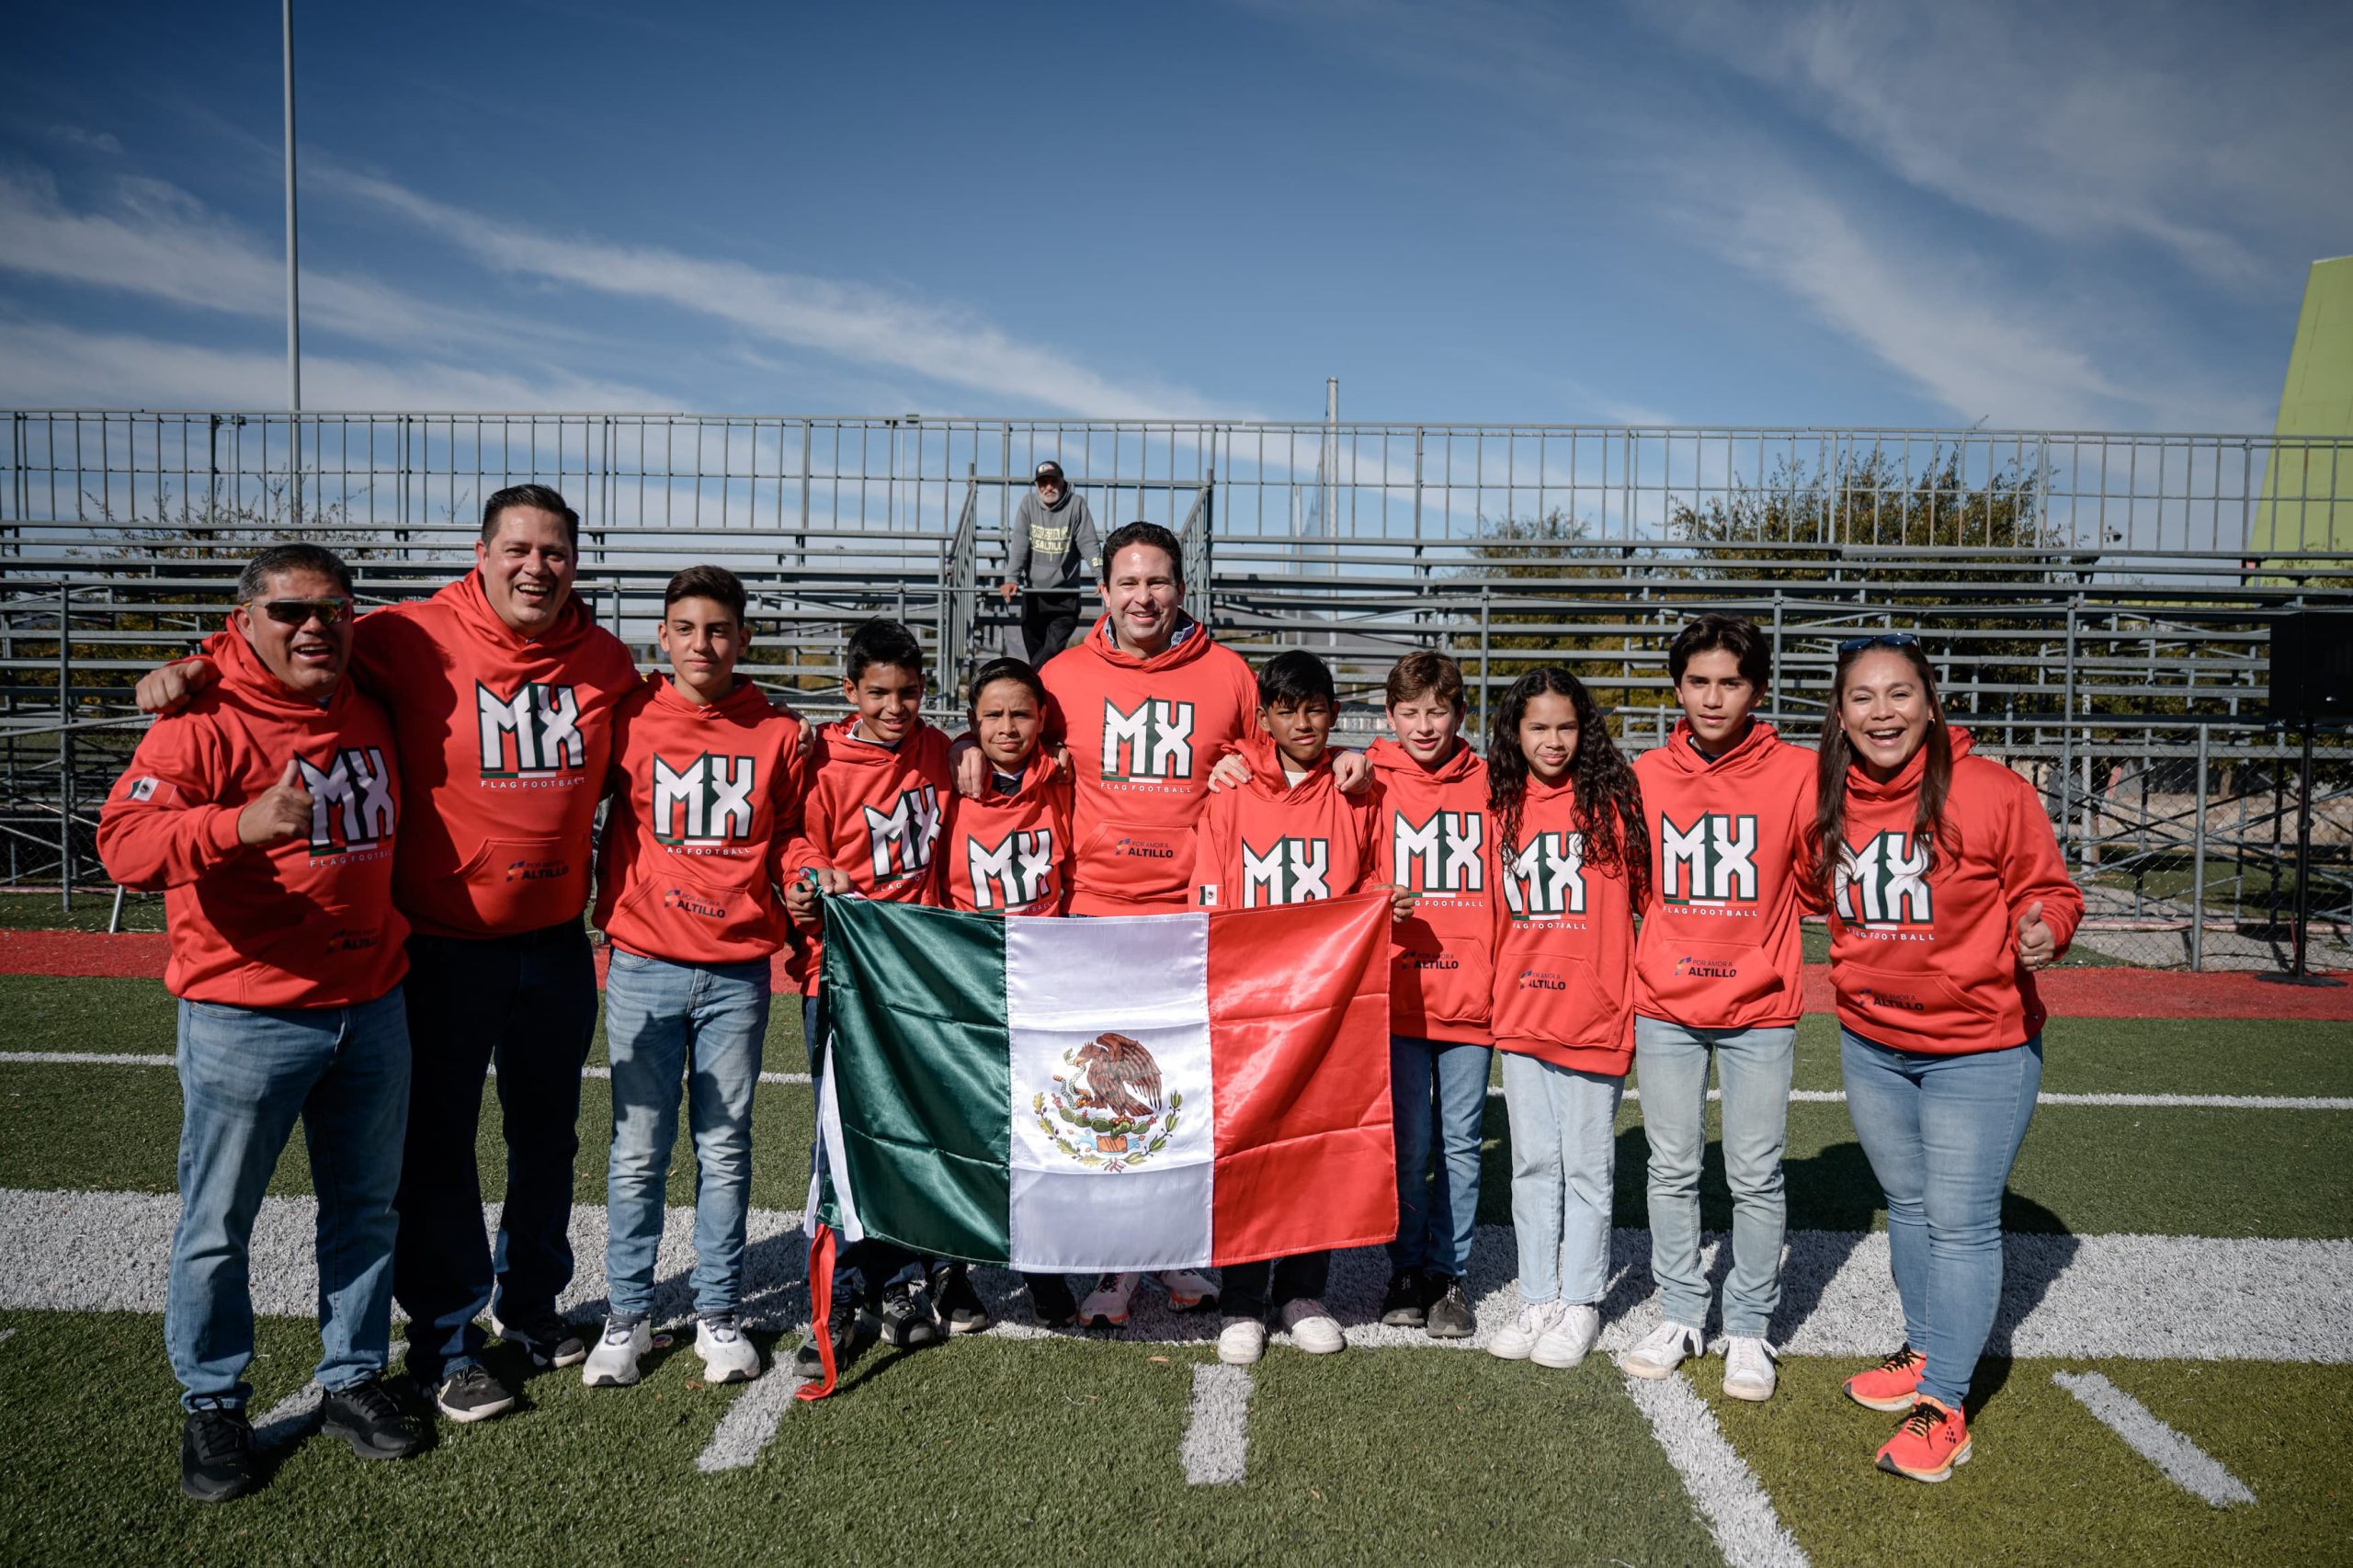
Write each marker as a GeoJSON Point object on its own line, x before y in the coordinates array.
{"type": "Point", "coordinates": [1052, 549]}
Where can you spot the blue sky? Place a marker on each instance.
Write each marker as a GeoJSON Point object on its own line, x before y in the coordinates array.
{"type": "Point", "coordinates": [1696, 213]}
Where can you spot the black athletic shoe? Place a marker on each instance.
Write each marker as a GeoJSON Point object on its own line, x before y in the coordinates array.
{"type": "Point", "coordinates": [366, 1416]}
{"type": "Point", "coordinates": [1403, 1305]}
{"type": "Point", "coordinates": [960, 1308]}
{"type": "Point", "coordinates": [1050, 1303]}
{"type": "Point", "coordinates": [848, 1326]}
{"type": "Point", "coordinates": [1449, 1315]}
{"type": "Point", "coordinates": [546, 1338]}
{"type": "Point", "coordinates": [473, 1392]}
{"type": "Point", "coordinates": [908, 1321]}
{"type": "Point", "coordinates": [216, 1455]}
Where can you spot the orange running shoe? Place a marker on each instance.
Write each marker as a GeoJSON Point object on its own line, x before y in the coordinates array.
{"type": "Point", "coordinates": [1891, 1384]}
{"type": "Point", "coordinates": [1930, 1442]}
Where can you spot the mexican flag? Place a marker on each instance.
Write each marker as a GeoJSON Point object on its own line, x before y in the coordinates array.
{"type": "Point", "coordinates": [1130, 1093]}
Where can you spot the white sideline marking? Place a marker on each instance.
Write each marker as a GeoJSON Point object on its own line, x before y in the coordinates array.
{"type": "Point", "coordinates": [749, 1422]}
{"type": "Point", "coordinates": [1723, 1490]}
{"type": "Point", "coordinates": [287, 1420]}
{"type": "Point", "coordinates": [2183, 1462]}
{"type": "Point", "coordinates": [1217, 1433]}
{"type": "Point", "coordinates": [6, 1335]}
{"type": "Point", "coordinates": [153, 1059]}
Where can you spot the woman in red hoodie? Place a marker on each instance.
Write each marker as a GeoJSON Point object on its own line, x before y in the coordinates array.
{"type": "Point", "coordinates": [1945, 891]}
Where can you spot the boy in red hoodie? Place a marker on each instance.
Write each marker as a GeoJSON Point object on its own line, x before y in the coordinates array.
{"type": "Point", "coordinates": [1717, 973]}
{"type": "Point", "coordinates": [1287, 837]}
{"type": "Point", "coordinates": [879, 783]}
{"type": "Point", "coordinates": [1430, 835]}
{"type": "Point", "coordinates": [267, 810]}
{"type": "Point", "coordinates": [707, 796]}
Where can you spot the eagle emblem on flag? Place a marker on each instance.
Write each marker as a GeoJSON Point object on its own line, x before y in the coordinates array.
{"type": "Point", "coordinates": [1107, 1111]}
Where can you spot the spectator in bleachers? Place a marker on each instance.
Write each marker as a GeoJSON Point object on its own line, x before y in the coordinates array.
{"type": "Point", "coordinates": [1050, 557]}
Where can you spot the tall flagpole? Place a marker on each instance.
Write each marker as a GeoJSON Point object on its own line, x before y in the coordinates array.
{"type": "Point", "coordinates": [293, 269]}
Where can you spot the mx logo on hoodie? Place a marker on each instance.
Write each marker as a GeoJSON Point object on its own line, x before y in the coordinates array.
{"type": "Point", "coordinates": [1016, 874]}
{"type": "Point", "coordinates": [1546, 877]}
{"type": "Point", "coordinates": [1884, 882]}
{"type": "Point", "coordinates": [707, 802]}
{"type": "Point", "coordinates": [533, 734]}
{"type": "Point", "coordinates": [1155, 740]}
{"type": "Point", "coordinates": [351, 800]}
{"type": "Point", "coordinates": [1712, 861]}
{"type": "Point", "coordinates": [1441, 854]}
{"type": "Point", "coordinates": [900, 840]}
{"type": "Point", "coordinates": [1292, 870]}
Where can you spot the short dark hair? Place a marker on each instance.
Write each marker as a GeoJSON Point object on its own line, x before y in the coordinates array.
{"type": "Point", "coordinates": [713, 583]}
{"type": "Point", "coordinates": [1016, 670]}
{"type": "Point", "coordinates": [1295, 677]}
{"type": "Point", "coordinates": [1153, 534]}
{"type": "Point", "coordinates": [290, 557]}
{"type": "Point", "coordinates": [1425, 674]}
{"type": "Point", "coordinates": [538, 495]}
{"type": "Point", "coordinates": [881, 641]}
{"type": "Point", "coordinates": [1733, 634]}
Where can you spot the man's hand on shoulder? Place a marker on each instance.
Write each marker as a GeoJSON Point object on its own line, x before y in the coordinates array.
{"type": "Point", "coordinates": [1352, 771]}
{"type": "Point", "coordinates": [1228, 772]}
{"type": "Point", "coordinates": [169, 687]}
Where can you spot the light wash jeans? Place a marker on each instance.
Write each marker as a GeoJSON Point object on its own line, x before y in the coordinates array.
{"type": "Point", "coordinates": [1942, 1133]}
{"type": "Point", "coordinates": [1754, 1067]}
{"type": "Point", "coordinates": [705, 1023]}
{"type": "Point", "coordinates": [245, 1074]}
{"type": "Point", "coordinates": [1564, 1162]}
{"type": "Point", "coordinates": [1438, 1092]}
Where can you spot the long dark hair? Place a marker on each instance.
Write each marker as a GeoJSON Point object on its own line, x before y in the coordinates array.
{"type": "Point", "coordinates": [1825, 841]}
{"type": "Point", "coordinates": [1609, 800]}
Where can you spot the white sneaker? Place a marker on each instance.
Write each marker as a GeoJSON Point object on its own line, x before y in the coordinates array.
{"type": "Point", "coordinates": [1660, 1351]}
{"type": "Point", "coordinates": [1748, 1369]}
{"type": "Point", "coordinates": [1188, 1291]}
{"type": "Point", "coordinates": [1242, 1342]}
{"type": "Point", "coordinates": [613, 1363]}
{"type": "Point", "coordinates": [1513, 1341]}
{"type": "Point", "coordinates": [727, 1355]}
{"type": "Point", "coordinates": [1567, 1341]}
{"type": "Point", "coordinates": [1108, 1301]}
{"type": "Point", "coordinates": [1311, 1328]}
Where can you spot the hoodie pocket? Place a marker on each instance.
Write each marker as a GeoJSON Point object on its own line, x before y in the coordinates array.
{"type": "Point", "coordinates": [1440, 980]}
{"type": "Point", "coordinates": [1733, 975]}
{"type": "Point", "coordinates": [1133, 861]}
{"type": "Point", "coordinates": [522, 884]}
{"type": "Point", "coordinates": [1914, 1002]}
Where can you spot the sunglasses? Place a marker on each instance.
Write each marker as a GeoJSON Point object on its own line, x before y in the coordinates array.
{"type": "Point", "coordinates": [296, 612]}
{"type": "Point", "coordinates": [1878, 640]}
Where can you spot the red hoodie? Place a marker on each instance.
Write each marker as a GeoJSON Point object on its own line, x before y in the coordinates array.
{"type": "Point", "coordinates": [1010, 854]}
{"type": "Point", "coordinates": [1719, 947]}
{"type": "Point", "coordinates": [1430, 834]}
{"type": "Point", "coordinates": [1143, 735]}
{"type": "Point", "coordinates": [1564, 943]}
{"type": "Point", "coordinates": [1929, 964]}
{"type": "Point", "coordinates": [707, 802]}
{"type": "Point", "coordinates": [301, 923]}
{"type": "Point", "coordinates": [873, 811]}
{"type": "Point", "coordinates": [1274, 842]}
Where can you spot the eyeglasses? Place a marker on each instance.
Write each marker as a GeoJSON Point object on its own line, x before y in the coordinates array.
{"type": "Point", "coordinates": [1878, 640]}
{"type": "Point", "coordinates": [296, 612]}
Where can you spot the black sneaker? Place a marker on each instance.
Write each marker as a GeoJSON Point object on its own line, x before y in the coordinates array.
{"type": "Point", "coordinates": [1402, 1305]}
{"type": "Point", "coordinates": [908, 1321]}
{"type": "Point", "coordinates": [473, 1392]}
{"type": "Point", "coordinates": [960, 1306]}
{"type": "Point", "coordinates": [216, 1455]}
{"type": "Point", "coordinates": [1449, 1315]}
{"type": "Point", "coordinates": [545, 1337]}
{"type": "Point", "coordinates": [1050, 1303]}
{"type": "Point", "coordinates": [846, 1324]}
{"type": "Point", "coordinates": [366, 1416]}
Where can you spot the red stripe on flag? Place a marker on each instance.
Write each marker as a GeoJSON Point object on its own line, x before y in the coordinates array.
{"type": "Point", "coordinates": [1299, 1065]}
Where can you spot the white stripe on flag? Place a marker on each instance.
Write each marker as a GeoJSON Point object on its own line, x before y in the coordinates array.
{"type": "Point", "coordinates": [1067, 985]}
{"type": "Point", "coordinates": [829, 1144]}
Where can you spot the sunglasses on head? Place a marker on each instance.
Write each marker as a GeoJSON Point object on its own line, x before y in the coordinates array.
{"type": "Point", "coordinates": [1878, 640]}
{"type": "Point", "coordinates": [296, 612]}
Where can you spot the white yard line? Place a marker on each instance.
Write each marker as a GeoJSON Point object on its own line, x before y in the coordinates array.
{"type": "Point", "coordinates": [289, 1417]}
{"type": "Point", "coordinates": [6, 1335]}
{"type": "Point", "coordinates": [749, 1422]}
{"type": "Point", "coordinates": [2183, 1462]}
{"type": "Point", "coordinates": [1723, 1490]}
{"type": "Point", "coordinates": [156, 1059]}
{"type": "Point", "coordinates": [1217, 1433]}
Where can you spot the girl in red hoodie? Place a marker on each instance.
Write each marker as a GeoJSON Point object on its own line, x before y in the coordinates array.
{"type": "Point", "coordinates": [1571, 863]}
{"type": "Point", "coordinates": [1945, 891]}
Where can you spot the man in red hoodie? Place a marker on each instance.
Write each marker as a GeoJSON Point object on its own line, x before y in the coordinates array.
{"type": "Point", "coordinates": [267, 812]}
{"type": "Point", "coordinates": [501, 689]}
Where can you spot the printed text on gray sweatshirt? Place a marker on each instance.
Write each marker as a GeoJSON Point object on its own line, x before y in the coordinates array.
{"type": "Point", "coordinates": [1052, 550]}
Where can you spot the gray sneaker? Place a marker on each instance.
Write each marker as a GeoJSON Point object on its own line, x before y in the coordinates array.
{"type": "Point", "coordinates": [473, 1392]}
{"type": "Point", "coordinates": [545, 1337]}
{"type": "Point", "coordinates": [1450, 1316]}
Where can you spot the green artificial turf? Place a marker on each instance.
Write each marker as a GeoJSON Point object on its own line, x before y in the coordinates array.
{"type": "Point", "coordinates": [93, 907]}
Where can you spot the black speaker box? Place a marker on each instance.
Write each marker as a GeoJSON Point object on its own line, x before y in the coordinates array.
{"type": "Point", "coordinates": [2312, 668]}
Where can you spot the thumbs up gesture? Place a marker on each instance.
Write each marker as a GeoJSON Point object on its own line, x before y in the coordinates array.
{"type": "Point", "coordinates": [2037, 946]}
{"type": "Point", "coordinates": [280, 811]}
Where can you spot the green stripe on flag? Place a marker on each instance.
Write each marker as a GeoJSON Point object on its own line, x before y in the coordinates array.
{"type": "Point", "coordinates": [921, 1073]}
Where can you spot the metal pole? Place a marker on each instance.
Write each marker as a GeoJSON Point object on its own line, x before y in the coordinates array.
{"type": "Point", "coordinates": [2303, 853]}
{"type": "Point", "coordinates": [1483, 607]}
{"type": "Point", "coordinates": [2198, 861]}
{"type": "Point", "coordinates": [293, 268]}
{"type": "Point", "coordinates": [65, 746]}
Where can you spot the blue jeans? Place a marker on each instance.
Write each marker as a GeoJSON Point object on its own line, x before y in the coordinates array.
{"type": "Point", "coordinates": [1754, 1067]}
{"type": "Point", "coordinates": [528, 1004]}
{"type": "Point", "coordinates": [706, 1023]}
{"type": "Point", "coordinates": [1564, 1161]}
{"type": "Point", "coordinates": [1942, 1133]}
{"type": "Point", "coordinates": [245, 1073]}
{"type": "Point", "coordinates": [1438, 1092]}
{"type": "Point", "coordinates": [862, 1270]}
